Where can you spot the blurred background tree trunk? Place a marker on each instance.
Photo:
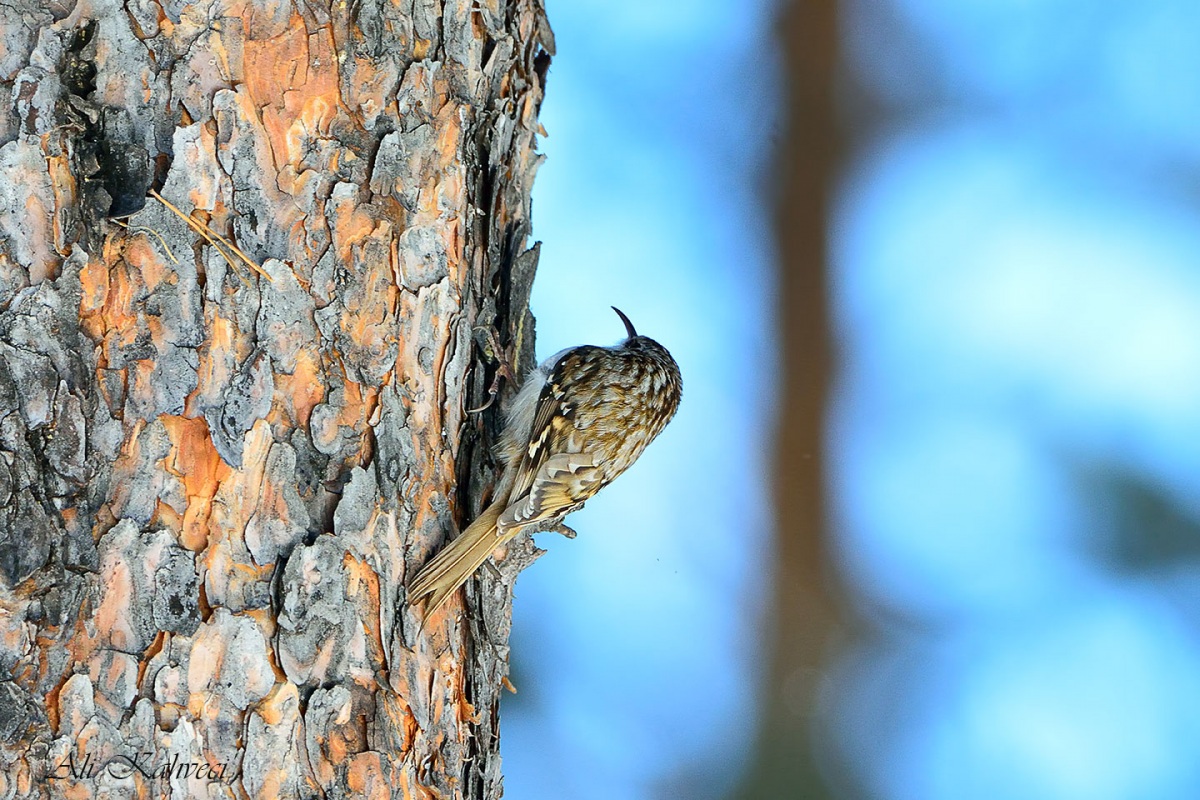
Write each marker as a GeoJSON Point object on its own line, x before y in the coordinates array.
{"type": "Point", "coordinates": [806, 626]}
{"type": "Point", "coordinates": [215, 478]}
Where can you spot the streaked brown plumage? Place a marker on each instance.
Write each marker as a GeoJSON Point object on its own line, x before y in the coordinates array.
{"type": "Point", "coordinates": [580, 420]}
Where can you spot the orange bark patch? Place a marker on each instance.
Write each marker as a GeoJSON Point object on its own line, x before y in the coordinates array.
{"type": "Point", "coordinates": [302, 390]}
{"type": "Point", "coordinates": [306, 109]}
{"type": "Point", "coordinates": [349, 225]}
{"type": "Point", "coordinates": [118, 316]}
{"type": "Point", "coordinates": [362, 588]}
{"type": "Point", "coordinates": [154, 649]}
{"type": "Point", "coordinates": [93, 280]}
{"type": "Point", "coordinates": [215, 369]}
{"type": "Point", "coordinates": [365, 777]}
{"type": "Point", "coordinates": [194, 459]}
{"type": "Point", "coordinates": [229, 569]}
{"type": "Point", "coordinates": [274, 707]}
{"type": "Point", "coordinates": [144, 257]}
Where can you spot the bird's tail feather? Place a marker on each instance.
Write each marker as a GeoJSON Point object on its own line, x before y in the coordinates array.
{"type": "Point", "coordinates": [458, 561]}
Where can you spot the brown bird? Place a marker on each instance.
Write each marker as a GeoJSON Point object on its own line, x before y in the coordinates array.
{"type": "Point", "coordinates": [580, 420]}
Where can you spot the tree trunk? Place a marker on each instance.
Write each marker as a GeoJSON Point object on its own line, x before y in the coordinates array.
{"type": "Point", "coordinates": [791, 759]}
{"type": "Point", "coordinates": [216, 478]}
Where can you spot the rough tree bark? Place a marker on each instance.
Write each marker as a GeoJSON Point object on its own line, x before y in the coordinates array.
{"type": "Point", "coordinates": [214, 483]}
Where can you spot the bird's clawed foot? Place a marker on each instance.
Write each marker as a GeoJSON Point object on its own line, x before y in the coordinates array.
{"type": "Point", "coordinates": [503, 358]}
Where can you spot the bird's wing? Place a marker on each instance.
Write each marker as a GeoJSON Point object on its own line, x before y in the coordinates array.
{"type": "Point", "coordinates": [562, 484]}
{"type": "Point", "coordinates": [553, 430]}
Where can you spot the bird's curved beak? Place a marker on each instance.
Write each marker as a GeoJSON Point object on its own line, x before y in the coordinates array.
{"type": "Point", "coordinates": [628, 325]}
